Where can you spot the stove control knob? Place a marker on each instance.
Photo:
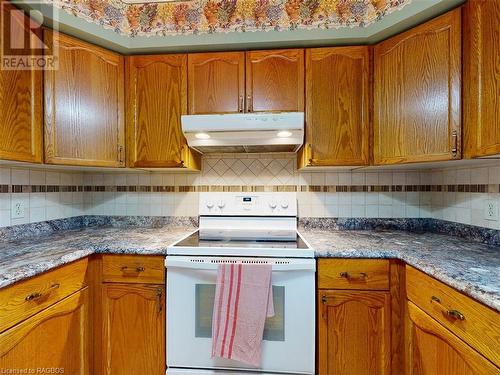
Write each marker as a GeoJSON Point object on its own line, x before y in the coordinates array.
{"type": "Point", "coordinates": [210, 204]}
{"type": "Point", "coordinates": [272, 204]}
{"type": "Point", "coordinates": [221, 204]}
{"type": "Point", "coordinates": [284, 204]}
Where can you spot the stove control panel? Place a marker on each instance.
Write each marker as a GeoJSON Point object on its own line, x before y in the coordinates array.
{"type": "Point", "coordinates": [248, 204]}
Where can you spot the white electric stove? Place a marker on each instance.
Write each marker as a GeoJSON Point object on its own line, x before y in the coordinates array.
{"type": "Point", "coordinates": [242, 228]}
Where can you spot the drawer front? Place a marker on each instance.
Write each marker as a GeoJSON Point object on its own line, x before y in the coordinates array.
{"type": "Point", "coordinates": [133, 269]}
{"type": "Point", "coordinates": [360, 274]}
{"type": "Point", "coordinates": [26, 298]}
{"type": "Point", "coordinates": [476, 324]}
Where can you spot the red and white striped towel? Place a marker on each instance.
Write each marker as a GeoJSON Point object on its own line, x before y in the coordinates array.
{"type": "Point", "coordinates": [243, 301]}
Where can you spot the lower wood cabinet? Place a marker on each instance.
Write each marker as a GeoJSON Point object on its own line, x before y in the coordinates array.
{"type": "Point", "coordinates": [432, 349]}
{"type": "Point", "coordinates": [354, 332]}
{"type": "Point", "coordinates": [56, 338]}
{"type": "Point", "coordinates": [134, 329]}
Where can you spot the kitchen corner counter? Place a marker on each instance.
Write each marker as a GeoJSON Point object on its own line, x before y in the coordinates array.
{"type": "Point", "coordinates": [33, 255]}
{"type": "Point", "coordinates": [470, 267]}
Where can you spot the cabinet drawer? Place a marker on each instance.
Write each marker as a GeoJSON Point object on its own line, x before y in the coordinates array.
{"type": "Point", "coordinates": [476, 324]}
{"type": "Point", "coordinates": [26, 298]}
{"type": "Point", "coordinates": [362, 274]}
{"type": "Point", "coordinates": [133, 269]}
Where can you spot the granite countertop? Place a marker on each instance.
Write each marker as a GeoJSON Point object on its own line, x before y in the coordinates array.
{"type": "Point", "coordinates": [31, 256]}
{"type": "Point", "coordinates": [468, 266]}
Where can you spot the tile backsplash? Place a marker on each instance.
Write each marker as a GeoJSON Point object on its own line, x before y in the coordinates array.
{"type": "Point", "coordinates": [456, 194]}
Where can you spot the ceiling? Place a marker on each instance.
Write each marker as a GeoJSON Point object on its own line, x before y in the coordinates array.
{"type": "Point", "coordinates": [154, 26]}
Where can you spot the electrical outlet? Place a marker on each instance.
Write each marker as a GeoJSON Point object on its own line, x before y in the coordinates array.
{"type": "Point", "coordinates": [18, 209]}
{"type": "Point", "coordinates": [491, 210]}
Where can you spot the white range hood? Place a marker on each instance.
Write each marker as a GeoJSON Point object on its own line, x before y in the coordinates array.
{"type": "Point", "coordinates": [244, 132]}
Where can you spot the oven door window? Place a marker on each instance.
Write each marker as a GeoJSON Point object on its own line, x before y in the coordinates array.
{"type": "Point", "coordinates": [274, 330]}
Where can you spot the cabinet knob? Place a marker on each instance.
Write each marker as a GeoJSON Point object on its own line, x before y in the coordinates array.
{"type": "Point", "coordinates": [452, 313]}
{"type": "Point", "coordinates": [249, 103]}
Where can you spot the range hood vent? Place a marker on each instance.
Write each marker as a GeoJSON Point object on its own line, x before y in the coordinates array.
{"type": "Point", "coordinates": [244, 132]}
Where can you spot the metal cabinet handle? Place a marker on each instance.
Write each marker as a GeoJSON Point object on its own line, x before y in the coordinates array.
{"type": "Point", "coordinates": [455, 314]}
{"type": "Point", "coordinates": [249, 103]}
{"type": "Point", "coordinates": [240, 104]}
{"type": "Point", "coordinates": [120, 155]}
{"type": "Point", "coordinates": [454, 143]}
{"type": "Point", "coordinates": [37, 295]}
{"type": "Point", "coordinates": [132, 269]}
{"type": "Point", "coordinates": [350, 277]}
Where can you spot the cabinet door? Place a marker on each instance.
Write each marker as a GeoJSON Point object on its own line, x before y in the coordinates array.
{"type": "Point", "coordinates": [338, 106]}
{"type": "Point", "coordinates": [354, 332]}
{"type": "Point", "coordinates": [84, 119]}
{"type": "Point", "coordinates": [216, 82]}
{"type": "Point", "coordinates": [20, 96]}
{"type": "Point", "coordinates": [432, 349]}
{"type": "Point", "coordinates": [134, 329]}
{"type": "Point", "coordinates": [275, 81]}
{"type": "Point", "coordinates": [481, 95]}
{"type": "Point", "coordinates": [417, 93]}
{"type": "Point", "coordinates": [56, 337]}
{"type": "Point", "coordinates": [156, 97]}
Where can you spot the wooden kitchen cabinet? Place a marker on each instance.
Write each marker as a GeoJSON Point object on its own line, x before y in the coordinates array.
{"type": "Point", "coordinates": [481, 94]}
{"type": "Point", "coordinates": [337, 107]}
{"type": "Point", "coordinates": [56, 337]}
{"type": "Point", "coordinates": [216, 82]}
{"type": "Point", "coordinates": [156, 99]}
{"type": "Point", "coordinates": [417, 90]}
{"type": "Point", "coordinates": [275, 81]}
{"type": "Point", "coordinates": [20, 96]}
{"type": "Point", "coordinates": [133, 316]}
{"type": "Point", "coordinates": [432, 349]}
{"type": "Point", "coordinates": [84, 99]}
{"type": "Point", "coordinates": [354, 332]}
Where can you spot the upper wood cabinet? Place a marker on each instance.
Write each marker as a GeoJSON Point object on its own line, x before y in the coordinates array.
{"type": "Point", "coordinates": [134, 329]}
{"type": "Point", "coordinates": [20, 96]}
{"type": "Point", "coordinates": [256, 81]}
{"type": "Point", "coordinates": [156, 99]}
{"type": "Point", "coordinates": [84, 99]}
{"type": "Point", "coordinates": [337, 107]}
{"type": "Point", "coordinates": [216, 82]}
{"type": "Point", "coordinates": [481, 94]}
{"type": "Point", "coordinates": [354, 332]}
{"type": "Point", "coordinates": [417, 93]}
{"type": "Point", "coordinates": [275, 81]}
{"type": "Point", "coordinates": [432, 349]}
{"type": "Point", "coordinates": [56, 337]}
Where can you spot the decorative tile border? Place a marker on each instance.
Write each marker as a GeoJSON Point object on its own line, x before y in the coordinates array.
{"type": "Point", "coordinates": [461, 188]}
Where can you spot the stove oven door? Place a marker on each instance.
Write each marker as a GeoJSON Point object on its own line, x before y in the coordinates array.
{"type": "Point", "coordinates": [289, 336]}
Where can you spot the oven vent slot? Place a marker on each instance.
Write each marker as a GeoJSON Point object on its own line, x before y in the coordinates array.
{"type": "Point", "coordinates": [234, 261]}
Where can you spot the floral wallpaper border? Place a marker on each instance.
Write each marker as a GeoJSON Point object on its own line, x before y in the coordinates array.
{"type": "Point", "coordinates": [216, 16]}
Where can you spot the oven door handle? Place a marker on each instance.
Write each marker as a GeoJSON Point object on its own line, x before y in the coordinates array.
{"type": "Point", "coordinates": [203, 263]}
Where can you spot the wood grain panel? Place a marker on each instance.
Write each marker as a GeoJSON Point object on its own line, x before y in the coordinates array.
{"type": "Point", "coordinates": [216, 82]}
{"type": "Point", "coordinates": [84, 99]}
{"type": "Point", "coordinates": [57, 337]}
{"type": "Point", "coordinates": [481, 94]}
{"type": "Point", "coordinates": [133, 269]}
{"type": "Point", "coordinates": [338, 106]}
{"type": "Point", "coordinates": [435, 350]}
{"type": "Point", "coordinates": [275, 81]}
{"type": "Point", "coordinates": [27, 297]}
{"type": "Point", "coordinates": [369, 274]}
{"type": "Point", "coordinates": [481, 325]}
{"type": "Point", "coordinates": [354, 332]}
{"type": "Point", "coordinates": [156, 97]}
{"type": "Point", "coordinates": [398, 313]}
{"type": "Point", "coordinates": [134, 329]}
{"type": "Point", "coordinates": [417, 89]}
{"type": "Point", "coordinates": [20, 96]}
